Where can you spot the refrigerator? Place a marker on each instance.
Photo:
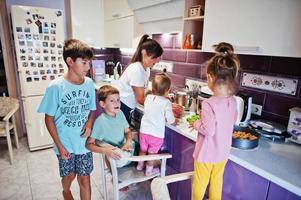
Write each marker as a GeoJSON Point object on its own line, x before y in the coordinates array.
{"type": "Point", "coordinates": [38, 37]}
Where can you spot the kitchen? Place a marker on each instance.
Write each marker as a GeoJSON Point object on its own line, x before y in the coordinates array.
{"type": "Point", "coordinates": [272, 52]}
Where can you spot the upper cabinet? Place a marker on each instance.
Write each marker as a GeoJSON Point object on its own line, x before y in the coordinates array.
{"type": "Point", "coordinates": [260, 27]}
{"type": "Point", "coordinates": [88, 21]}
{"type": "Point", "coordinates": [121, 29]}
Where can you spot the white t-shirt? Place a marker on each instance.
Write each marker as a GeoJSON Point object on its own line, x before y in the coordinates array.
{"type": "Point", "coordinates": [157, 112]}
{"type": "Point", "coordinates": [134, 75]}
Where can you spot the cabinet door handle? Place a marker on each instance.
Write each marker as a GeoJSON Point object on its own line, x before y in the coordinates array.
{"type": "Point", "coordinates": [116, 15]}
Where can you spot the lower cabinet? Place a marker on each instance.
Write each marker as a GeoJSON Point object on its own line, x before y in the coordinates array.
{"type": "Point", "coordinates": [239, 183]}
{"type": "Point", "coordinates": [276, 192]}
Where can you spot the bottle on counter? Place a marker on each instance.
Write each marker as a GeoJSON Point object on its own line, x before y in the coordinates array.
{"type": "Point", "coordinates": [187, 42]}
{"type": "Point", "coordinates": [192, 41]}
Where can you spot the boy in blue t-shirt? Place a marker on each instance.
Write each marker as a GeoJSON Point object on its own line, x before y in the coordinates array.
{"type": "Point", "coordinates": [111, 127]}
{"type": "Point", "coordinates": [67, 105]}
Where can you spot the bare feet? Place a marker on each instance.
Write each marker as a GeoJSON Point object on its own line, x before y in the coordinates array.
{"type": "Point", "coordinates": [67, 195]}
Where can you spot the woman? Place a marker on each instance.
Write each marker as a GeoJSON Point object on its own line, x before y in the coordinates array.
{"type": "Point", "coordinates": [134, 79]}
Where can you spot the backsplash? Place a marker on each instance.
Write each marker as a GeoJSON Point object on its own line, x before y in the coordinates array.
{"type": "Point", "coordinates": [191, 63]}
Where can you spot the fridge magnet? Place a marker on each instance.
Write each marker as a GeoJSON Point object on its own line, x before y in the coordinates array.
{"type": "Point", "coordinates": [45, 44]}
{"type": "Point", "coordinates": [28, 79]}
{"type": "Point", "coordinates": [28, 36]}
{"type": "Point", "coordinates": [40, 64]}
{"type": "Point", "coordinates": [46, 37]}
{"type": "Point", "coordinates": [20, 36]}
{"type": "Point", "coordinates": [22, 58]}
{"type": "Point", "coordinates": [27, 72]}
{"type": "Point", "coordinates": [33, 64]}
{"type": "Point", "coordinates": [53, 58]}
{"type": "Point", "coordinates": [35, 36]}
{"type": "Point", "coordinates": [38, 58]}
{"type": "Point", "coordinates": [36, 78]}
{"type": "Point", "coordinates": [30, 57]}
{"type": "Point", "coordinates": [42, 71]}
{"type": "Point", "coordinates": [59, 46]}
{"type": "Point", "coordinates": [44, 78]}
{"type": "Point", "coordinates": [24, 64]}
{"type": "Point", "coordinates": [41, 17]}
{"type": "Point", "coordinates": [30, 50]}
{"type": "Point", "coordinates": [28, 21]}
{"type": "Point", "coordinates": [58, 13]}
{"type": "Point", "coordinates": [19, 29]}
{"type": "Point", "coordinates": [52, 31]}
{"type": "Point", "coordinates": [46, 58]}
{"type": "Point", "coordinates": [38, 23]}
{"type": "Point", "coordinates": [53, 25]}
{"type": "Point", "coordinates": [60, 52]}
{"type": "Point", "coordinates": [28, 13]}
{"type": "Point", "coordinates": [52, 51]}
{"type": "Point", "coordinates": [45, 24]}
{"type": "Point", "coordinates": [53, 65]}
{"type": "Point", "coordinates": [52, 38]}
{"type": "Point", "coordinates": [45, 51]}
{"type": "Point", "coordinates": [46, 30]}
{"type": "Point", "coordinates": [29, 43]}
{"type": "Point", "coordinates": [60, 59]}
{"type": "Point", "coordinates": [54, 71]}
{"type": "Point", "coordinates": [35, 72]}
{"type": "Point", "coordinates": [61, 71]}
{"type": "Point", "coordinates": [37, 50]}
{"type": "Point", "coordinates": [27, 30]}
{"type": "Point", "coordinates": [48, 71]}
{"type": "Point", "coordinates": [52, 44]}
{"type": "Point", "coordinates": [21, 43]}
{"type": "Point", "coordinates": [61, 65]}
{"type": "Point", "coordinates": [52, 77]}
{"type": "Point", "coordinates": [22, 51]}
{"type": "Point", "coordinates": [35, 16]}
{"type": "Point", "coordinates": [41, 36]}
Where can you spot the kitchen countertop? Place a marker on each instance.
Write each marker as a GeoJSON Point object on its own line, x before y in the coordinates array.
{"type": "Point", "coordinates": [279, 163]}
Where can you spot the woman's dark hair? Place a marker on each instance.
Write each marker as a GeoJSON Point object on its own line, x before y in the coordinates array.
{"type": "Point", "coordinates": [160, 84]}
{"type": "Point", "coordinates": [224, 66]}
{"type": "Point", "coordinates": [152, 48]}
{"type": "Point", "coordinates": [74, 49]}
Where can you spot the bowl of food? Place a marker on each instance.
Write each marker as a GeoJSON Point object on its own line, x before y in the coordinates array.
{"type": "Point", "coordinates": [192, 118]}
{"type": "Point", "coordinates": [177, 110]}
{"type": "Point", "coordinates": [244, 138]}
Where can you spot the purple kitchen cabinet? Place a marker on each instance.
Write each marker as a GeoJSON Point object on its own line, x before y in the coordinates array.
{"type": "Point", "coordinates": [172, 187]}
{"type": "Point", "coordinates": [240, 183]}
{"type": "Point", "coordinates": [278, 193]}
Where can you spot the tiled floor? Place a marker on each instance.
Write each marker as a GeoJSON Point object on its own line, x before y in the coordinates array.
{"type": "Point", "coordinates": [35, 176]}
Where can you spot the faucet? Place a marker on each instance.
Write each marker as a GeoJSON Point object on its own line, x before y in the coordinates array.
{"type": "Point", "coordinates": [120, 68]}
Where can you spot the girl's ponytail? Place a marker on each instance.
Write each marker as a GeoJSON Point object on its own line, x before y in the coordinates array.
{"type": "Point", "coordinates": [137, 55]}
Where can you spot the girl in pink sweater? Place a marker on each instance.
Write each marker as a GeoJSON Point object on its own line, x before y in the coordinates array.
{"type": "Point", "coordinates": [215, 127]}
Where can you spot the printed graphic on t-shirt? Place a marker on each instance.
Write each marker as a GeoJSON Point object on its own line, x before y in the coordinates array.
{"type": "Point", "coordinates": [75, 108]}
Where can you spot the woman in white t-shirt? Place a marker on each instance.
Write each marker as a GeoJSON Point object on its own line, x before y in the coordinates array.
{"type": "Point", "coordinates": [134, 79]}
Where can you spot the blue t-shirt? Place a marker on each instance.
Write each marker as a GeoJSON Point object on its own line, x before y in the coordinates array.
{"type": "Point", "coordinates": [70, 104]}
{"type": "Point", "coordinates": [110, 129]}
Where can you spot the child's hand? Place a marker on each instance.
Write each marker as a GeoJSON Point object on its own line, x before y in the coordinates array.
{"type": "Point", "coordinates": [127, 147]}
{"type": "Point", "coordinates": [112, 153]}
{"type": "Point", "coordinates": [64, 153]}
{"type": "Point", "coordinates": [86, 131]}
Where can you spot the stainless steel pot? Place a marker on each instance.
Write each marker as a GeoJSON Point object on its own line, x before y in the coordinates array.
{"type": "Point", "coordinates": [183, 99]}
{"type": "Point", "coordinates": [245, 143]}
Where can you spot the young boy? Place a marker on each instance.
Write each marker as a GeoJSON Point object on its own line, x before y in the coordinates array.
{"type": "Point", "coordinates": [67, 105]}
{"type": "Point", "coordinates": [111, 127]}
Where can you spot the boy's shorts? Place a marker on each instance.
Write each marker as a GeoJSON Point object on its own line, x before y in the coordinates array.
{"type": "Point", "coordinates": [80, 164]}
{"type": "Point", "coordinates": [149, 143]}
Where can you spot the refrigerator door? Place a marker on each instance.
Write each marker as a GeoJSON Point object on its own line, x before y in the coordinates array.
{"type": "Point", "coordinates": [38, 35]}
{"type": "Point", "coordinates": [37, 133]}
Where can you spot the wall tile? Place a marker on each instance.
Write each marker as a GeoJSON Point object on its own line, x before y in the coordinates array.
{"type": "Point", "coordinates": [280, 105]}
{"type": "Point", "coordinates": [255, 63]}
{"type": "Point", "coordinates": [177, 80]}
{"type": "Point", "coordinates": [174, 55]}
{"type": "Point", "coordinates": [285, 65]}
{"type": "Point", "coordinates": [125, 60]}
{"type": "Point", "coordinates": [198, 57]}
{"type": "Point", "coordinates": [272, 117]}
{"type": "Point", "coordinates": [104, 57]}
{"type": "Point", "coordinates": [202, 72]}
{"type": "Point", "coordinates": [166, 41]}
{"type": "Point", "coordinates": [186, 69]}
{"type": "Point", "coordinates": [257, 96]}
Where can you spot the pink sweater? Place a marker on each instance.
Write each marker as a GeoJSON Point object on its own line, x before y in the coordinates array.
{"type": "Point", "coordinates": [215, 129]}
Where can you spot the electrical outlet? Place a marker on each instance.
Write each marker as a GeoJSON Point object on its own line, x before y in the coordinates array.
{"type": "Point", "coordinates": [160, 66]}
{"type": "Point", "coordinates": [256, 109]}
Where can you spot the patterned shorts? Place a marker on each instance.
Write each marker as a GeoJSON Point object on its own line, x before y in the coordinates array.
{"type": "Point", "coordinates": [81, 164]}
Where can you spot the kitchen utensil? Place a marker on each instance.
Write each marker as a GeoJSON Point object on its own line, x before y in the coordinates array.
{"type": "Point", "coordinates": [268, 126]}
{"type": "Point", "coordinates": [183, 98]}
{"type": "Point", "coordinates": [245, 143]}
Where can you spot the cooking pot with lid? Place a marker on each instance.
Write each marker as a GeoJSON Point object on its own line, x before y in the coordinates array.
{"type": "Point", "coordinates": [183, 99]}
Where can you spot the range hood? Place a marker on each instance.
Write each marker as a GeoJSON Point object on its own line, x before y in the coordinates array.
{"type": "Point", "coordinates": [159, 16]}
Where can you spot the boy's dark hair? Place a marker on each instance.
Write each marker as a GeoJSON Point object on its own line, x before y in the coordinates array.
{"type": "Point", "coordinates": [104, 91]}
{"type": "Point", "coordinates": [74, 49]}
{"type": "Point", "coordinates": [224, 66]}
{"type": "Point", "coordinates": [160, 84]}
{"type": "Point", "coordinates": [152, 48]}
